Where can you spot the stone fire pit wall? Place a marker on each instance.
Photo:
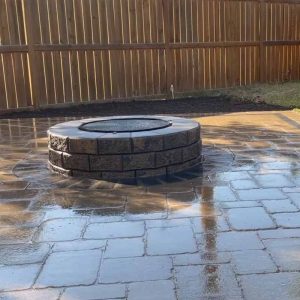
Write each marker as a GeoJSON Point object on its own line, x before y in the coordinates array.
{"type": "Point", "coordinates": [78, 148]}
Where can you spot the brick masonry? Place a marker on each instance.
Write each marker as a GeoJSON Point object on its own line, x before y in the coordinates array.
{"type": "Point", "coordinates": [125, 155]}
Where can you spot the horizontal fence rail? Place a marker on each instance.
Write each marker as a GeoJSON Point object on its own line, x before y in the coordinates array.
{"type": "Point", "coordinates": [77, 51]}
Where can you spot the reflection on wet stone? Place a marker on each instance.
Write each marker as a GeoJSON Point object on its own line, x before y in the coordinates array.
{"type": "Point", "coordinates": [114, 230]}
{"type": "Point", "coordinates": [135, 269]}
{"type": "Point", "coordinates": [61, 229]}
{"type": "Point", "coordinates": [75, 268]}
{"type": "Point", "coordinates": [18, 277]}
{"type": "Point", "coordinates": [161, 241]}
{"type": "Point", "coordinates": [194, 235]}
{"type": "Point", "coordinates": [249, 218]}
{"type": "Point", "coordinates": [23, 253]}
{"type": "Point", "coordinates": [211, 280]}
{"type": "Point", "coordinates": [25, 219]}
{"type": "Point", "coordinates": [16, 235]}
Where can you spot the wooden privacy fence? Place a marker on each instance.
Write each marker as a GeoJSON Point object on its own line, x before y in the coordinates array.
{"type": "Point", "coordinates": [74, 51]}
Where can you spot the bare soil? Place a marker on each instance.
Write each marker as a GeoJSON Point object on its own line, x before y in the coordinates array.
{"type": "Point", "coordinates": [197, 105]}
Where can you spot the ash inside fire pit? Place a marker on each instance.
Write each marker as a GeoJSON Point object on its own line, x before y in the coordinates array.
{"type": "Point", "coordinates": [124, 147]}
{"type": "Point", "coordinates": [125, 125]}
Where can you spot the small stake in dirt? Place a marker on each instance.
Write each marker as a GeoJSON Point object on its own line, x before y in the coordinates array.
{"type": "Point", "coordinates": [172, 91]}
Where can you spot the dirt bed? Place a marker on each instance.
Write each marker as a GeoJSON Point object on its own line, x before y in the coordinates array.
{"type": "Point", "coordinates": [181, 107]}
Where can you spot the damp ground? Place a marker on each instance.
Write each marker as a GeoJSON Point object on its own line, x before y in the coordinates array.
{"type": "Point", "coordinates": [228, 230]}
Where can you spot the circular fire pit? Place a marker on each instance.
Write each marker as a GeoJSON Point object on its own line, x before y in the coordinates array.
{"type": "Point", "coordinates": [124, 147]}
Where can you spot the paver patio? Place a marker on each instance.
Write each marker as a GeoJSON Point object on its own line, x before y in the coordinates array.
{"type": "Point", "coordinates": [228, 231]}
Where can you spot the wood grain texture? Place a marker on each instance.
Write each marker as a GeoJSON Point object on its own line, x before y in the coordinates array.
{"type": "Point", "coordinates": [74, 51]}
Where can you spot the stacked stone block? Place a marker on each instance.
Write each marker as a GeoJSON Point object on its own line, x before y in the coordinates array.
{"type": "Point", "coordinates": [74, 152]}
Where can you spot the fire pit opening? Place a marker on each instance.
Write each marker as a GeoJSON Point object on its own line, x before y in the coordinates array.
{"type": "Point", "coordinates": [124, 147]}
{"type": "Point", "coordinates": [125, 125]}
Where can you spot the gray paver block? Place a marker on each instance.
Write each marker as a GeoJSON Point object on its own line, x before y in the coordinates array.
{"type": "Point", "coordinates": [198, 282]}
{"type": "Point", "coordinates": [288, 220]}
{"type": "Point", "coordinates": [32, 294]}
{"type": "Point", "coordinates": [18, 277]}
{"type": "Point", "coordinates": [23, 254]}
{"type": "Point", "coordinates": [249, 218]}
{"type": "Point", "coordinates": [61, 229]}
{"type": "Point", "coordinates": [161, 241]}
{"type": "Point", "coordinates": [252, 262]}
{"type": "Point", "coordinates": [100, 292]}
{"type": "Point", "coordinates": [277, 286]}
{"type": "Point", "coordinates": [124, 248]}
{"type": "Point", "coordinates": [70, 268]}
{"type": "Point", "coordinates": [149, 290]}
{"type": "Point", "coordinates": [135, 269]}
{"type": "Point", "coordinates": [114, 230]}
{"type": "Point", "coordinates": [285, 253]}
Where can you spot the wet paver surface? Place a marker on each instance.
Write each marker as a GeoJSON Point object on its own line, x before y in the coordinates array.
{"type": "Point", "coordinates": [228, 230]}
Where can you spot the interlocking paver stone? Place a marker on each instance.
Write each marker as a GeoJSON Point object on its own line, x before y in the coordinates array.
{"type": "Point", "coordinates": [23, 253]}
{"type": "Point", "coordinates": [204, 258]}
{"type": "Point", "coordinates": [12, 206]}
{"type": "Point", "coordinates": [15, 235]}
{"type": "Point", "coordinates": [233, 241]}
{"type": "Point", "coordinates": [135, 269]}
{"type": "Point", "coordinates": [288, 220]}
{"type": "Point", "coordinates": [79, 245]}
{"type": "Point", "coordinates": [181, 197]}
{"type": "Point", "coordinates": [61, 229]}
{"type": "Point", "coordinates": [149, 290]}
{"type": "Point", "coordinates": [249, 218]}
{"type": "Point", "coordinates": [195, 231]}
{"type": "Point", "coordinates": [24, 219]}
{"type": "Point", "coordinates": [171, 240]}
{"type": "Point", "coordinates": [125, 248]}
{"type": "Point", "coordinates": [168, 223]}
{"type": "Point", "coordinates": [277, 286]}
{"type": "Point", "coordinates": [295, 198]}
{"type": "Point", "coordinates": [278, 206]}
{"type": "Point", "coordinates": [17, 194]}
{"type": "Point", "coordinates": [279, 165]}
{"type": "Point", "coordinates": [279, 233]}
{"type": "Point", "coordinates": [240, 204]}
{"type": "Point", "coordinates": [100, 292]}
{"type": "Point", "coordinates": [220, 193]}
{"type": "Point", "coordinates": [195, 282]}
{"type": "Point", "coordinates": [294, 190]}
{"type": "Point", "coordinates": [252, 262]}
{"type": "Point", "coordinates": [70, 268]}
{"type": "Point", "coordinates": [33, 294]}
{"type": "Point", "coordinates": [261, 194]}
{"type": "Point", "coordinates": [183, 211]}
{"type": "Point", "coordinates": [209, 224]}
{"type": "Point", "coordinates": [13, 185]}
{"type": "Point", "coordinates": [228, 176]}
{"type": "Point", "coordinates": [18, 277]}
{"type": "Point", "coordinates": [273, 180]}
{"type": "Point", "coordinates": [114, 230]}
{"type": "Point", "coordinates": [244, 184]}
{"type": "Point", "coordinates": [146, 206]}
{"type": "Point", "coordinates": [285, 253]}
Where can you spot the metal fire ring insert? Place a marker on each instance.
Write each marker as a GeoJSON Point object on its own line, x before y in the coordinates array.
{"type": "Point", "coordinates": [125, 125]}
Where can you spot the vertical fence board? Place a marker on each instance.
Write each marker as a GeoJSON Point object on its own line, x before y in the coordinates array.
{"type": "Point", "coordinates": [87, 50]}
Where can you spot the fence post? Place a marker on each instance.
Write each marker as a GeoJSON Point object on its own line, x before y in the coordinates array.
{"type": "Point", "coordinates": [262, 29]}
{"type": "Point", "coordinates": [166, 17]}
{"type": "Point", "coordinates": [31, 65]}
